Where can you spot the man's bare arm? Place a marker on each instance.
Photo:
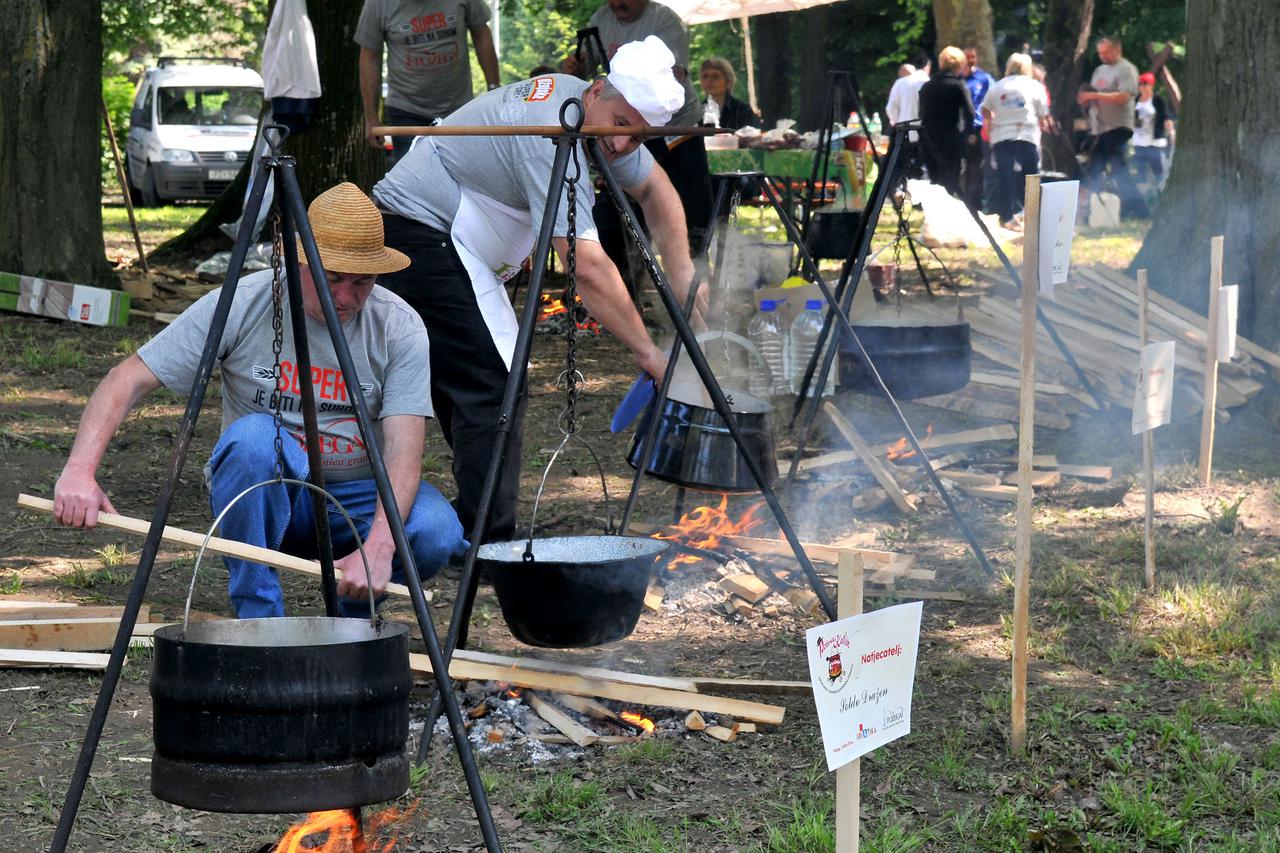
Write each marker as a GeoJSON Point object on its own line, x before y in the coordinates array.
{"type": "Point", "coordinates": [402, 439]}
{"type": "Point", "coordinates": [486, 55]}
{"type": "Point", "coordinates": [664, 215]}
{"type": "Point", "coordinates": [370, 86]}
{"type": "Point", "coordinates": [77, 497]}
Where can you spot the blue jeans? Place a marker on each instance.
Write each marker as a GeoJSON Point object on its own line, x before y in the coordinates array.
{"type": "Point", "coordinates": [279, 516]}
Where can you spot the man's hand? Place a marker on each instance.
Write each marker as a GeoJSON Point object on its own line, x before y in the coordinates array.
{"type": "Point", "coordinates": [571, 64]}
{"type": "Point", "coordinates": [652, 361]}
{"type": "Point", "coordinates": [354, 583]}
{"type": "Point", "coordinates": [374, 139]}
{"type": "Point", "coordinates": [77, 499]}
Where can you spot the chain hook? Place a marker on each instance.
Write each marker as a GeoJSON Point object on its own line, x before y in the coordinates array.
{"type": "Point", "coordinates": [277, 339]}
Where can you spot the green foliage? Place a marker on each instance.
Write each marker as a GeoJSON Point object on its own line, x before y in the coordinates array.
{"type": "Point", "coordinates": [533, 33]}
{"type": "Point", "coordinates": [560, 799]}
{"type": "Point", "coordinates": [137, 28]}
{"type": "Point", "coordinates": [11, 585]}
{"type": "Point", "coordinates": [806, 824]}
{"type": "Point", "coordinates": [117, 94]}
{"type": "Point", "coordinates": [1225, 516]}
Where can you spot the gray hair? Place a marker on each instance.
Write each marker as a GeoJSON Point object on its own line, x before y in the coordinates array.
{"type": "Point", "coordinates": [608, 91]}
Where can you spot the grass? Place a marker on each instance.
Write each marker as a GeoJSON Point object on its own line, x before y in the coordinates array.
{"type": "Point", "coordinates": [11, 585]}
{"type": "Point", "coordinates": [155, 224]}
{"type": "Point", "coordinates": [64, 354]}
{"type": "Point", "coordinates": [560, 799]}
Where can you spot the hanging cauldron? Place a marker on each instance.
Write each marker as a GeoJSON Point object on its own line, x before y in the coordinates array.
{"type": "Point", "coordinates": [913, 361]}
{"type": "Point", "coordinates": [280, 715]}
{"type": "Point", "coordinates": [576, 591]}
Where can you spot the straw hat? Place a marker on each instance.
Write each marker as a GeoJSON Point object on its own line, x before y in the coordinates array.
{"type": "Point", "coordinates": [348, 232]}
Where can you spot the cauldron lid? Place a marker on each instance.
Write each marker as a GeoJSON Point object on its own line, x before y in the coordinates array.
{"type": "Point", "coordinates": [281, 631]}
{"type": "Point", "coordinates": [583, 550]}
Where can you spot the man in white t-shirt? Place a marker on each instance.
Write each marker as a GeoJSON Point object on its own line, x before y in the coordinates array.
{"type": "Point", "coordinates": [904, 106]}
{"type": "Point", "coordinates": [388, 346]}
{"type": "Point", "coordinates": [466, 210]}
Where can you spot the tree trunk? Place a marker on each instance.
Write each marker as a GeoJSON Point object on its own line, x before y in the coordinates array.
{"type": "Point", "coordinates": [773, 56]}
{"type": "Point", "coordinates": [330, 151]}
{"type": "Point", "coordinates": [50, 178]}
{"type": "Point", "coordinates": [1067, 29]}
{"type": "Point", "coordinates": [967, 23]}
{"type": "Point", "coordinates": [813, 71]}
{"type": "Point", "coordinates": [1223, 177]}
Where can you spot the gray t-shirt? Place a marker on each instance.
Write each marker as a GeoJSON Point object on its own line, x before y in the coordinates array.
{"type": "Point", "coordinates": [513, 170]}
{"type": "Point", "coordinates": [1120, 76]}
{"type": "Point", "coordinates": [655, 20]}
{"type": "Point", "coordinates": [388, 346]}
{"type": "Point", "coordinates": [428, 68]}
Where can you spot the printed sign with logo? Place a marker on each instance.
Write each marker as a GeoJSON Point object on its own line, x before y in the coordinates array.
{"type": "Point", "coordinates": [541, 89]}
{"type": "Point", "coordinates": [863, 671]}
{"type": "Point", "coordinates": [1228, 312]}
{"type": "Point", "coordinates": [1153, 398]}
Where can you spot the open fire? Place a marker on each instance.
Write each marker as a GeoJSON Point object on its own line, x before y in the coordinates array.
{"type": "Point", "coordinates": [343, 831]}
{"type": "Point", "coordinates": [552, 307]}
{"type": "Point", "coordinates": [901, 449]}
{"type": "Point", "coordinates": [702, 527]}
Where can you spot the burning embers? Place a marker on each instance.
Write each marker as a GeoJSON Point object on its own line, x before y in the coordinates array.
{"type": "Point", "coordinates": [553, 315]}
{"type": "Point", "coordinates": [901, 449]}
{"type": "Point", "coordinates": [703, 527]}
{"type": "Point", "coordinates": [343, 831]}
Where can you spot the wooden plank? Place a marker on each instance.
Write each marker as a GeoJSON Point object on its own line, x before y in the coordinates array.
{"type": "Point", "coordinates": [464, 670]}
{"type": "Point", "coordinates": [31, 604]}
{"type": "Point", "coordinates": [589, 707]}
{"type": "Point", "coordinates": [1038, 460]}
{"type": "Point", "coordinates": [753, 686]}
{"type": "Point", "coordinates": [653, 597]}
{"type": "Point", "coordinates": [999, 432]}
{"type": "Point", "coordinates": [1101, 473]}
{"type": "Point", "coordinates": [562, 668]}
{"type": "Point", "coordinates": [849, 777]}
{"type": "Point", "coordinates": [1006, 494]}
{"type": "Point", "coordinates": [1210, 394]}
{"type": "Point", "coordinates": [1039, 479]}
{"type": "Point", "coordinates": [748, 587]}
{"type": "Point", "coordinates": [66, 635]}
{"type": "Point", "coordinates": [71, 611]}
{"type": "Point", "coordinates": [966, 478]}
{"type": "Point", "coordinates": [565, 724]}
{"type": "Point", "coordinates": [779, 547]}
{"type": "Point", "coordinates": [42, 658]}
{"type": "Point", "coordinates": [217, 545]}
{"type": "Point", "coordinates": [900, 499]}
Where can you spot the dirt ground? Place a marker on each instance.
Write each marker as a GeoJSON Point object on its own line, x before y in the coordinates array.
{"type": "Point", "coordinates": [1153, 716]}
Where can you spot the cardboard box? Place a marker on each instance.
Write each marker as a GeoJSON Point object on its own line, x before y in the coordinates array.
{"type": "Point", "coordinates": [96, 306]}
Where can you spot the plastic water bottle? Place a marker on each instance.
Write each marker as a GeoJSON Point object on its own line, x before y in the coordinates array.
{"type": "Point", "coordinates": [711, 113]}
{"type": "Point", "coordinates": [803, 341]}
{"type": "Point", "coordinates": [766, 332]}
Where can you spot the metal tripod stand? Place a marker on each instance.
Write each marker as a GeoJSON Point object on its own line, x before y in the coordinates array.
{"type": "Point", "coordinates": [292, 211]}
{"type": "Point", "coordinates": [565, 142]}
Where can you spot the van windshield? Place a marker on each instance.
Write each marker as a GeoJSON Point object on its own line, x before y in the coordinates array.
{"type": "Point", "coordinates": [209, 105]}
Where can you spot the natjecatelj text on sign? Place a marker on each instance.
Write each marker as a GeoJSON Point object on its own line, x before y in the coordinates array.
{"type": "Point", "coordinates": [863, 671]}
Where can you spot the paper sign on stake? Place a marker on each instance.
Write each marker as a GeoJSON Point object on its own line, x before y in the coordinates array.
{"type": "Point", "coordinates": [862, 671]}
{"type": "Point", "coordinates": [1057, 229]}
{"type": "Point", "coordinates": [1153, 398]}
{"type": "Point", "coordinates": [1228, 312]}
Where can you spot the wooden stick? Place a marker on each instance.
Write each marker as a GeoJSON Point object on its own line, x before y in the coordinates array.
{"type": "Point", "coordinates": [590, 708]}
{"type": "Point", "coordinates": [753, 686]}
{"type": "Point", "coordinates": [591, 672]}
{"type": "Point", "coordinates": [565, 724]}
{"type": "Point", "coordinates": [780, 547]}
{"type": "Point", "coordinates": [69, 611]}
{"type": "Point", "coordinates": [1148, 453]}
{"type": "Point", "coordinates": [848, 777]}
{"type": "Point", "coordinates": [1026, 450]}
{"type": "Point", "coordinates": [877, 468]}
{"type": "Point", "coordinates": [124, 185]}
{"type": "Point", "coordinates": [217, 545]}
{"type": "Point", "coordinates": [19, 658]}
{"type": "Point", "coordinates": [1211, 362]}
{"type": "Point", "coordinates": [464, 670]}
{"type": "Point", "coordinates": [544, 130]}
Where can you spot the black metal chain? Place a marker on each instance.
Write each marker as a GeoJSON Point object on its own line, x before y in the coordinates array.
{"type": "Point", "coordinates": [277, 338]}
{"type": "Point", "coordinates": [569, 417]}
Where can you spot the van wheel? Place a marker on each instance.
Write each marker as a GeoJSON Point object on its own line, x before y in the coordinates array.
{"type": "Point", "coordinates": [147, 192]}
{"type": "Point", "coordinates": [135, 196]}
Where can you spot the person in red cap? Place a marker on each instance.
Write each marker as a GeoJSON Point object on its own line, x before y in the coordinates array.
{"type": "Point", "coordinates": [1152, 132]}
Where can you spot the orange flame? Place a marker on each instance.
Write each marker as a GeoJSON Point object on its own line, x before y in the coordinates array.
{"type": "Point", "coordinates": [551, 307]}
{"type": "Point", "coordinates": [638, 720]}
{"type": "Point", "coordinates": [703, 526]}
{"type": "Point", "coordinates": [339, 831]}
{"type": "Point", "coordinates": [899, 449]}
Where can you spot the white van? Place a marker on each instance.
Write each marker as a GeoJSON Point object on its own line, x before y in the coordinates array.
{"type": "Point", "coordinates": [192, 126]}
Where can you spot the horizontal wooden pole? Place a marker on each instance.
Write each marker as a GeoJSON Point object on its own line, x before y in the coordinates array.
{"type": "Point", "coordinates": [217, 545]}
{"type": "Point", "coordinates": [464, 670]}
{"type": "Point", "coordinates": [542, 130]}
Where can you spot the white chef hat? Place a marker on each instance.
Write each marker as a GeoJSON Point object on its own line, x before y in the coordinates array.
{"type": "Point", "coordinates": [641, 71]}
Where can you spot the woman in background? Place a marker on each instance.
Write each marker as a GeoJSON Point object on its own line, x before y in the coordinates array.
{"type": "Point", "coordinates": [946, 114]}
{"type": "Point", "coordinates": [1153, 129]}
{"type": "Point", "coordinates": [717, 78]}
{"type": "Point", "coordinates": [1015, 110]}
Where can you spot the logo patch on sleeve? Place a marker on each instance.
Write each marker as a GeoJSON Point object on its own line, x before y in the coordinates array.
{"type": "Point", "coordinates": [542, 89]}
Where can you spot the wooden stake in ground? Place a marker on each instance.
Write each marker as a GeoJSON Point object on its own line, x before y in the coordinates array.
{"type": "Point", "coordinates": [124, 185]}
{"type": "Point", "coordinates": [1148, 451]}
{"type": "Point", "coordinates": [848, 777]}
{"type": "Point", "coordinates": [1211, 362]}
{"type": "Point", "coordinates": [1026, 450]}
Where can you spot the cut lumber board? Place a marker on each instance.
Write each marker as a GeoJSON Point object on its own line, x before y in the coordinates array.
{"type": "Point", "coordinates": [956, 402]}
{"type": "Point", "coordinates": [900, 499]}
{"type": "Point", "coordinates": [653, 597]}
{"type": "Point", "coordinates": [563, 723]}
{"type": "Point", "coordinates": [601, 740]}
{"type": "Point", "coordinates": [41, 658]}
{"type": "Point", "coordinates": [1039, 479]}
{"type": "Point", "coordinates": [31, 604]}
{"type": "Point", "coordinates": [752, 686]}
{"type": "Point", "coordinates": [217, 545]}
{"type": "Point", "coordinates": [999, 432]}
{"type": "Point", "coordinates": [588, 707]}
{"type": "Point", "coordinates": [748, 587]}
{"type": "Point", "coordinates": [780, 547]}
{"type": "Point", "coordinates": [721, 733]}
{"type": "Point", "coordinates": [1009, 494]}
{"type": "Point", "coordinates": [65, 635]}
{"type": "Point", "coordinates": [1087, 472]}
{"type": "Point", "coordinates": [1043, 461]}
{"type": "Point", "coordinates": [561, 668]}
{"type": "Point", "coordinates": [464, 670]}
{"type": "Point", "coordinates": [869, 499]}
{"type": "Point", "coordinates": [71, 611]}
{"type": "Point", "coordinates": [967, 478]}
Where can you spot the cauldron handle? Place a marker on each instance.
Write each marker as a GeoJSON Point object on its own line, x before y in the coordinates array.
{"type": "Point", "coordinates": [604, 485]}
{"type": "Point", "coordinates": [373, 611]}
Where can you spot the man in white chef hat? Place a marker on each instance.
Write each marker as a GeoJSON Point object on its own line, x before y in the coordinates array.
{"type": "Point", "coordinates": [466, 210]}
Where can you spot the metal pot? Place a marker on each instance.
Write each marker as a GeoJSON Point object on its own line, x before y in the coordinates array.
{"type": "Point", "coordinates": [913, 361]}
{"type": "Point", "coordinates": [280, 715]}
{"type": "Point", "coordinates": [571, 591]}
{"type": "Point", "coordinates": [830, 234]}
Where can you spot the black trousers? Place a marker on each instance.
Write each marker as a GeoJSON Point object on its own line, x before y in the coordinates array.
{"type": "Point", "coordinates": [468, 375]}
{"type": "Point", "coordinates": [942, 157]}
{"type": "Point", "coordinates": [975, 156]}
{"type": "Point", "coordinates": [1109, 155]}
{"type": "Point", "coordinates": [1015, 159]}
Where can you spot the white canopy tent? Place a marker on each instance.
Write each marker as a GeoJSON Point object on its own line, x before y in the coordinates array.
{"type": "Point", "coordinates": [706, 11]}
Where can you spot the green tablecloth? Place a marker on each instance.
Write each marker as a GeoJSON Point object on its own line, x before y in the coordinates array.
{"type": "Point", "coordinates": [788, 163]}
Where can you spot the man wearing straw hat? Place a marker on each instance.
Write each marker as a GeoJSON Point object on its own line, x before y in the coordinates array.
{"type": "Point", "coordinates": [389, 348]}
{"type": "Point", "coordinates": [467, 209]}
